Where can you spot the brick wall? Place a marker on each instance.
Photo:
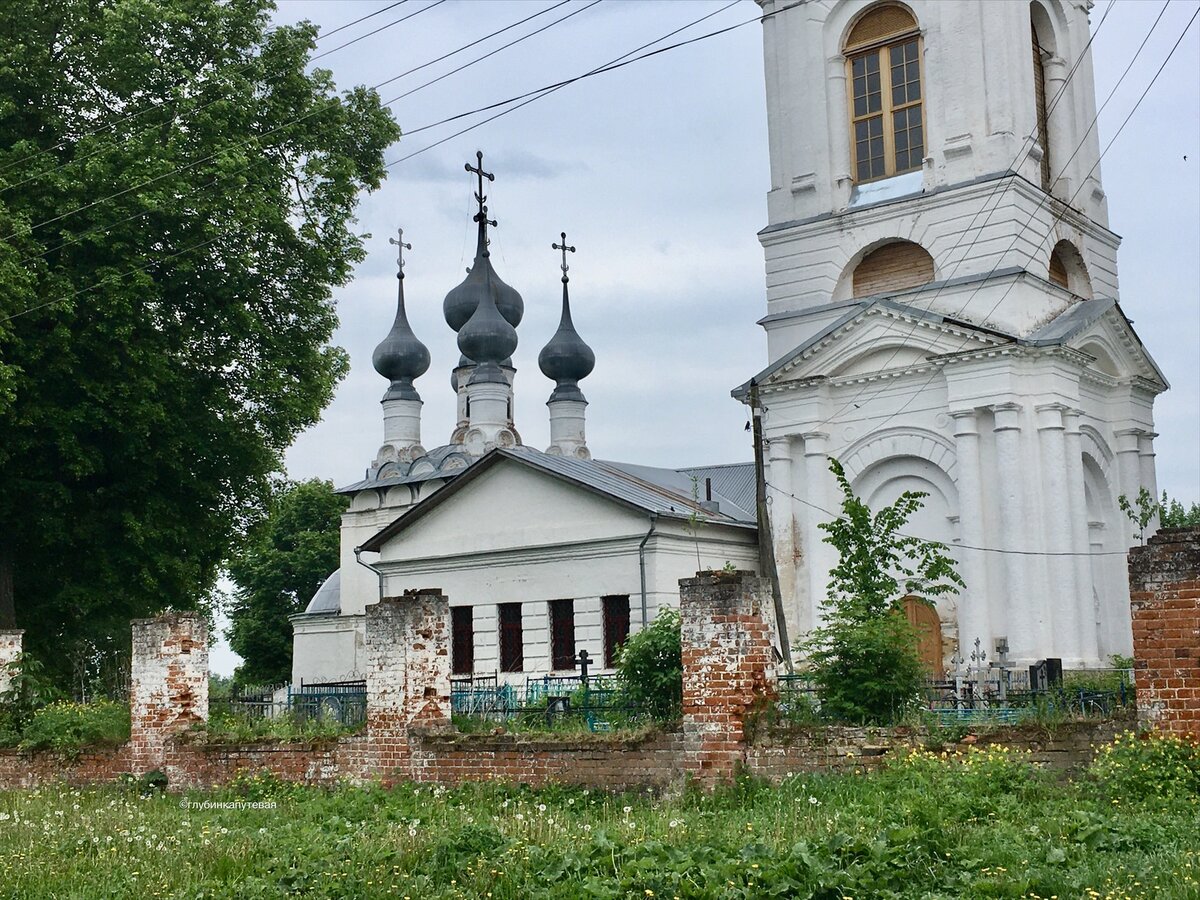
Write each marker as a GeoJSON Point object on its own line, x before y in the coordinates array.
{"type": "Point", "coordinates": [595, 761]}
{"type": "Point", "coordinates": [775, 756]}
{"type": "Point", "coordinates": [168, 686]}
{"type": "Point", "coordinates": [408, 674]}
{"type": "Point", "coordinates": [1164, 587]}
{"type": "Point", "coordinates": [10, 649]}
{"type": "Point", "coordinates": [727, 666]}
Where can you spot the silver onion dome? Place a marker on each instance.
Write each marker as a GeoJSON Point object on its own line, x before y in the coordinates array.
{"type": "Point", "coordinates": [401, 357]}
{"type": "Point", "coordinates": [566, 358]}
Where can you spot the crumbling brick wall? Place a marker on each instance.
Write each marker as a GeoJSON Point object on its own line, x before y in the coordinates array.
{"type": "Point", "coordinates": [10, 649]}
{"type": "Point", "coordinates": [1164, 588]}
{"type": "Point", "coordinates": [727, 667]}
{"type": "Point", "coordinates": [408, 675]}
{"type": "Point", "coordinates": [168, 687]}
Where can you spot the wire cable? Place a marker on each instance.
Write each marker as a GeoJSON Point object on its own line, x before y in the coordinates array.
{"type": "Point", "coordinates": [158, 104]}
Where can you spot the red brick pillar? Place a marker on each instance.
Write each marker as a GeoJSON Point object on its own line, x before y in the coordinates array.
{"type": "Point", "coordinates": [10, 649]}
{"type": "Point", "coordinates": [727, 666]}
{"type": "Point", "coordinates": [1164, 587]}
{"type": "Point", "coordinates": [168, 688]}
{"type": "Point", "coordinates": [408, 675]}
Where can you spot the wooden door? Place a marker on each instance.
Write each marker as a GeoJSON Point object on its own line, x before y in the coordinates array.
{"type": "Point", "coordinates": [923, 616]}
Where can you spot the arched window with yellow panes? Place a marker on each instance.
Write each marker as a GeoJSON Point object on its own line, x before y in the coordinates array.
{"type": "Point", "coordinates": [887, 118]}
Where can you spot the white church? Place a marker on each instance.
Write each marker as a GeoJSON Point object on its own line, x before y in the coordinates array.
{"type": "Point", "coordinates": [942, 315]}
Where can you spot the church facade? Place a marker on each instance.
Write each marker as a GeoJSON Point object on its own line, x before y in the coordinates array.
{"type": "Point", "coordinates": [943, 315]}
{"type": "Point", "coordinates": [543, 554]}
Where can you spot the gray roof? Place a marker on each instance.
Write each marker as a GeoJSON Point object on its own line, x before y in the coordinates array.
{"type": "Point", "coordinates": [328, 598]}
{"type": "Point", "coordinates": [732, 485]}
{"type": "Point", "coordinates": [1058, 331]}
{"type": "Point", "coordinates": [660, 492]}
{"type": "Point", "coordinates": [440, 462]}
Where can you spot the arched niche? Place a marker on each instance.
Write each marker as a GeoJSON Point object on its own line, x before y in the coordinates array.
{"type": "Point", "coordinates": [884, 481]}
{"type": "Point", "coordinates": [1067, 269]}
{"type": "Point", "coordinates": [890, 268]}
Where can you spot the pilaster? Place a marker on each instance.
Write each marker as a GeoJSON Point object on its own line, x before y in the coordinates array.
{"type": "Point", "coordinates": [1061, 623]}
{"type": "Point", "coordinates": [1025, 614]}
{"type": "Point", "coordinates": [974, 614]}
{"type": "Point", "coordinates": [819, 483]}
{"type": "Point", "coordinates": [1085, 604]}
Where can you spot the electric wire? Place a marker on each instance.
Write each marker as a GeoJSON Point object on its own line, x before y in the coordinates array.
{"type": "Point", "coordinates": [1060, 214]}
{"type": "Point", "coordinates": [1005, 184]}
{"type": "Point", "coordinates": [159, 104]}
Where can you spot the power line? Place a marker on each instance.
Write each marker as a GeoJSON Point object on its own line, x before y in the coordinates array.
{"type": "Point", "coordinates": [1000, 550]}
{"type": "Point", "coordinates": [855, 401]}
{"type": "Point", "coordinates": [254, 139]}
{"type": "Point", "coordinates": [1059, 216]}
{"type": "Point", "coordinates": [619, 62]}
{"type": "Point", "coordinates": [159, 103]}
{"type": "Point", "coordinates": [363, 37]}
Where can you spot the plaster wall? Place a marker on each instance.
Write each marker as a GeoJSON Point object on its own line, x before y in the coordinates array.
{"type": "Point", "coordinates": [979, 100]}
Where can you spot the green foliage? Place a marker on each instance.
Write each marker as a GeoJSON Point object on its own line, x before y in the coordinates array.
{"type": "Point", "coordinates": [1151, 766]}
{"type": "Point", "coordinates": [228, 728]}
{"type": "Point", "coordinates": [1140, 512]}
{"type": "Point", "coordinates": [177, 192]}
{"type": "Point", "coordinates": [67, 727]}
{"type": "Point", "coordinates": [1173, 514]}
{"type": "Point", "coordinates": [978, 825]}
{"type": "Point", "coordinates": [29, 690]}
{"type": "Point", "coordinates": [286, 557]}
{"type": "Point", "coordinates": [864, 659]}
{"type": "Point", "coordinates": [650, 667]}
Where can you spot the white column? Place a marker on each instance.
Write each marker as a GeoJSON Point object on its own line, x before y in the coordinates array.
{"type": "Point", "coordinates": [1061, 625]}
{"type": "Point", "coordinates": [402, 423]}
{"type": "Point", "coordinates": [821, 556]}
{"type": "Point", "coordinates": [1085, 611]}
{"type": "Point", "coordinates": [488, 403]}
{"type": "Point", "coordinates": [1058, 141]}
{"type": "Point", "coordinates": [1129, 464]}
{"type": "Point", "coordinates": [1147, 472]}
{"type": "Point", "coordinates": [974, 617]}
{"type": "Point", "coordinates": [783, 531]}
{"type": "Point", "coordinates": [567, 429]}
{"type": "Point", "coordinates": [1023, 615]}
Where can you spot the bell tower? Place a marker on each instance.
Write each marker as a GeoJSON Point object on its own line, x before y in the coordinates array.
{"type": "Point", "coordinates": [942, 311]}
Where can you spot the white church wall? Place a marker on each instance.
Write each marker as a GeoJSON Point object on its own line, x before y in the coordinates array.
{"type": "Point", "coordinates": [969, 132]}
{"type": "Point", "coordinates": [328, 648]}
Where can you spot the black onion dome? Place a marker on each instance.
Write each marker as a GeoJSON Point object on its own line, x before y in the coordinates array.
{"type": "Point", "coordinates": [462, 301]}
{"type": "Point", "coordinates": [487, 338]}
{"type": "Point", "coordinates": [401, 357]}
{"type": "Point", "coordinates": [566, 358]}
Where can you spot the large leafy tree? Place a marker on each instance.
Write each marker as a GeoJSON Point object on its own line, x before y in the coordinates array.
{"type": "Point", "coordinates": [865, 657]}
{"type": "Point", "coordinates": [285, 559]}
{"type": "Point", "coordinates": [176, 205]}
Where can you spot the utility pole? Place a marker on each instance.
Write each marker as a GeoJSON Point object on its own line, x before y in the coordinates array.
{"type": "Point", "coordinates": [766, 541]}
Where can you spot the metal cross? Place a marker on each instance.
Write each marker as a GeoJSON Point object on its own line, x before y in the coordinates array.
{"type": "Point", "coordinates": [564, 248]}
{"type": "Point", "coordinates": [480, 197]}
{"type": "Point", "coordinates": [400, 248]}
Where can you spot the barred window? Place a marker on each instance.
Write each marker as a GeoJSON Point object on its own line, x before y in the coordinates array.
{"type": "Point", "coordinates": [462, 640]}
{"type": "Point", "coordinates": [887, 129]}
{"type": "Point", "coordinates": [512, 638]}
{"type": "Point", "coordinates": [562, 634]}
{"type": "Point", "coordinates": [616, 626]}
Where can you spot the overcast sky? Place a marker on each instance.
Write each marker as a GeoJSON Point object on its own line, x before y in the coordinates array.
{"type": "Point", "coordinates": [658, 173]}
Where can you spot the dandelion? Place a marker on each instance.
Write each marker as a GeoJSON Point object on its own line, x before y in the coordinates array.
{"type": "Point", "coordinates": [814, 801]}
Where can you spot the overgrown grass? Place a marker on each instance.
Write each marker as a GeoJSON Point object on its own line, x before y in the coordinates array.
{"type": "Point", "coordinates": [68, 727]}
{"type": "Point", "coordinates": [231, 728]}
{"type": "Point", "coordinates": [982, 825]}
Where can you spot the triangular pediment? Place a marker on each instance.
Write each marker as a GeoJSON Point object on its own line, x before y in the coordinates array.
{"type": "Point", "coordinates": [878, 337]}
{"type": "Point", "coordinates": [1117, 350]}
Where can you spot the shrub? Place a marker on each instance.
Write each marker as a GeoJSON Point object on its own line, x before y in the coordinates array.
{"type": "Point", "coordinates": [650, 667]}
{"type": "Point", "coordinates": [1151, 765]}
{"type": "Point", "coordinates": [865, 660]}
{"type": "Point", "coordinates": [68, 727]}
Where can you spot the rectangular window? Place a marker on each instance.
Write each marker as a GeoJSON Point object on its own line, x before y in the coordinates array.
{"type": "Point", "coordinates": [462, 640]}
{"type": "Point", "coordinates": [616, 627]}
{"type": "Point", "coordinates": [512, 638]}
{"type": "Point", "coordinates": [562, 634]}
{"type": "Point", "coordinates": [886, 119]}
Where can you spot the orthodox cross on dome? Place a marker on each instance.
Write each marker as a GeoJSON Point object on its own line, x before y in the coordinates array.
{"type": "Point", "coordinates": [400, 248]}
{"type": "Point", "coordinates": [564, 248]}
{"type": "Point", "coordinates": [480, 196]}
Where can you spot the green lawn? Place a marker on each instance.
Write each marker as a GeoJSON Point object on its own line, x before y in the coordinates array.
{"type": "Point", "coordinates": [984, 825]}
